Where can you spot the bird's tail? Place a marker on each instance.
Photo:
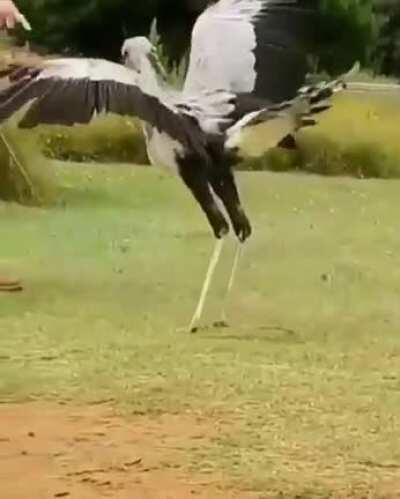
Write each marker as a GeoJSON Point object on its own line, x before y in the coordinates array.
{"type": "Point", "coordinates": [283, 119]}
{"type": "Point", "coordinates": [314, 100]}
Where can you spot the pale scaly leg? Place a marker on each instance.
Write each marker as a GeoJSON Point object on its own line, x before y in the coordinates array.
{"type": "Point", "coordinates": [206, 286]}
{"type": "Point", "coordinates": [231, 283]}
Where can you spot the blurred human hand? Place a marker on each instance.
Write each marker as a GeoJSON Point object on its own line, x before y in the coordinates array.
{"type": "Point", "coordinates": [10, 16]}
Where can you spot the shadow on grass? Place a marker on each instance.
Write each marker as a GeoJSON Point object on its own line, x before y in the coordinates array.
{"type": "Point", "coordinates": [270, 334]}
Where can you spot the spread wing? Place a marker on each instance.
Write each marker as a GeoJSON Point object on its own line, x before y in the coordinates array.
{"type": "Point", "coordinates": [72, 91]}
{"type": "Point", "coordinates": [251, 46]}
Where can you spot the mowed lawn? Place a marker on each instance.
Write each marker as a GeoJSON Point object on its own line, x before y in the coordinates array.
{"type": "Point", "coordinates": [307, 378]}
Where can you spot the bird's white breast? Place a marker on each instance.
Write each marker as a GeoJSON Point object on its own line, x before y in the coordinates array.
{"type": "Point", "coordinates": [162, 149]}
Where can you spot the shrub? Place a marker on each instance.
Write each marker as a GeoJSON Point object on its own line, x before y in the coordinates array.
{"type": "Point", "coordinates": [24, 176]}
{"type": "Point", "coordinates": [107, 140]}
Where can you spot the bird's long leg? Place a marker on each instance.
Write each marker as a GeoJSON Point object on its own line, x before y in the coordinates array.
{"type": "Point", "coordinates": [207, 283]}
{"type": "Point", "coordinates": [194, 177]}
{"type": "Point", "coordinates": [231, 283]}
{"type": "Point", "coordinates": [224, 186]}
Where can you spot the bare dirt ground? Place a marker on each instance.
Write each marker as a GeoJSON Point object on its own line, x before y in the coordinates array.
{"type": "Point", "coordinates": [49, 451]}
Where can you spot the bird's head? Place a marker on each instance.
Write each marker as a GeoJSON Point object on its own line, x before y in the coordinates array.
{"type": "Point", "coordinates": [138, 53]}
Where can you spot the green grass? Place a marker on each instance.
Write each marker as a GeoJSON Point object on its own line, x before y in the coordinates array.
{"type": "Point", "coordinates": [306, 381]}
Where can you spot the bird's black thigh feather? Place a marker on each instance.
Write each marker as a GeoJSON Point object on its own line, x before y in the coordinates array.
{"type": "Point", "coordinates": [194, 175]}
{"type": "Point", "coordinates": [224, 186]}
{"type": "Point", "coordinates": [222, 180]}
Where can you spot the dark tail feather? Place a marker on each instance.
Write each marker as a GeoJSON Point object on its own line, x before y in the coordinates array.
{"type": "Point", "coordinates": [318, 100]}
{"type": "Point", "coordinates": [289, 143]}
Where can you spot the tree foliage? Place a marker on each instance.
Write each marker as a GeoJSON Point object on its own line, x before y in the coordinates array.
{"type": "Point", "coordinates": [389, 42]}
{"type": "Point", "coordinates": [98, 27]}
{"type": "Point", "coordinates": [348, 30]}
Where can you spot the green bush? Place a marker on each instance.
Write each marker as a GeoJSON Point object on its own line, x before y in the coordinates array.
{"type": "Point", "coordinates": [24, 176]}
{"type": "Point", "coordinates": [319, 154]}
{"type": "Point", "coordinates": [276, 160]}
{"type": "Point", "coordinates": [107, 140]}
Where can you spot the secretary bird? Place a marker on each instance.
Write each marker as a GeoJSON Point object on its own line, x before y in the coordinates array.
{"type": "Point", "coordinates": [247, 66]}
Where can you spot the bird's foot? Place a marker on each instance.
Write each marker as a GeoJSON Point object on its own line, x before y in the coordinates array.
{"type": "Point", "coordinates": [222, 324]}
{"type": "Point", "coordinates": [10, 286]}
{"type": "Point", "coordinates": [15, 289]}
{"type": "Point", "coordinates": [193, 329]}
{"type": "Point", "coordinates": [190, 329]}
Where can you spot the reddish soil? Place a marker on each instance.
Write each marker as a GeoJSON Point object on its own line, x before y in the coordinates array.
{"type": "Point", "coordinates": [49, 451]}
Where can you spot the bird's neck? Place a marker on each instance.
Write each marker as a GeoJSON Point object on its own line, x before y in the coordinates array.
{"type": "Point", "coordinates": [150, 80]}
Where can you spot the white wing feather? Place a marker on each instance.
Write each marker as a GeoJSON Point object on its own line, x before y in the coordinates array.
{"type": "Point", "coordinates": [223, 41]}
{"type": "Point", "coordinates": [94, 69]}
